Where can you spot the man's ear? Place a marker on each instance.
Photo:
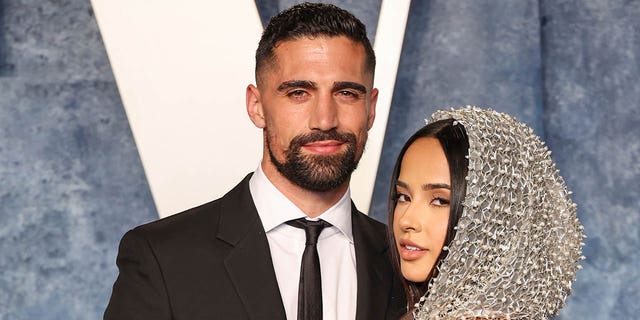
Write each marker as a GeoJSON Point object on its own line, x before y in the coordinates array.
{"type": "Point", "coordinates": [254, 106]}
{"type": "Point", "coordinates": [372, 108]}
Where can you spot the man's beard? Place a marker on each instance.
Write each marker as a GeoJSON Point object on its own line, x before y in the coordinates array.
{"type": "Point", "coordinates": [317, 172]}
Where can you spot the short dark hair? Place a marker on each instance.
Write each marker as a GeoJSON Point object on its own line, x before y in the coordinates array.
{"type": "Point", "coordinates": [312, 20]}
{"type": "Point", "coordinates": [455, 144]}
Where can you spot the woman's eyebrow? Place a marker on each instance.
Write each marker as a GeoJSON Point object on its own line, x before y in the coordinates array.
{"type": "Point", "coordinates": [426, 186]}
{"type": "Point", "coordinates": [430, 186]}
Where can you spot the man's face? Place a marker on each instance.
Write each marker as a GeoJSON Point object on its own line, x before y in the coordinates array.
{"type": "Point", "coordinates": [316, 104]}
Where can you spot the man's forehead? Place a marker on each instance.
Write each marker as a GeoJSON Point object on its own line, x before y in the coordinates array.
{"type": "Point", "coordinates": [333, 48]}
{"type": "Point", "coordinates": [292, 55]}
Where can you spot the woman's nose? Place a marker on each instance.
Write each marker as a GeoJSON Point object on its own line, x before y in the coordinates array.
{"type": "Point", "coordinates": [408, 220]}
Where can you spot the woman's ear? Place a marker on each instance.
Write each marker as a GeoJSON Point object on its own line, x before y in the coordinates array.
{"type": "Point", "coordinates": [254, 106]}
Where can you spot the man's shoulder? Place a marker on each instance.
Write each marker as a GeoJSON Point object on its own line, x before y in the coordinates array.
{"type": "Point", "coordinates": [184, 221]}
{"type": "Point", "coordinates": [356, 214]}
{"type": "Point", "coordinates": [203, 218]}
{"type": "Point", "coordinates": [361, 220]}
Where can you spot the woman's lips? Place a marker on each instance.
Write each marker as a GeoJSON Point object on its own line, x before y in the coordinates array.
{"type": "Point", "coordinates": [410, 251]}
{"type": "Point", "coordinates": [323, 147]}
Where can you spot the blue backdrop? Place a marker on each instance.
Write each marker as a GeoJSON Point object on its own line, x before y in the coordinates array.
{"type": "Point", "coordinates": [71, 181]}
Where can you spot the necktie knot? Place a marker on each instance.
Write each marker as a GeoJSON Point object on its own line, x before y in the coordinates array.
{"type": "Point", "coordinates": [311, 228]}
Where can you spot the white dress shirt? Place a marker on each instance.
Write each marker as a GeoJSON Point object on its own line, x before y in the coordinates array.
{"type": "Point", "coordinates": [287, 243]}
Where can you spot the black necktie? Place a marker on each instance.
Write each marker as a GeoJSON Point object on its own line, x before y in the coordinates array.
{"type": "Point", "coordinates": [310, 288]}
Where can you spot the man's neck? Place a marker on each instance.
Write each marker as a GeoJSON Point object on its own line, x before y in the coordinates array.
{"type": "Point", "coordinates": [312, 203]}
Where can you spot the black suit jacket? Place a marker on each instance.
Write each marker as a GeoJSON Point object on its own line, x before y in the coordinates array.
{"type": "Point", "coordinates": [214, 262]}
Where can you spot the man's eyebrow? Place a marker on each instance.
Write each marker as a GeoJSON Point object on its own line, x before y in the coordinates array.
{"type": "Point", "coordinates": [349, 85]}
{"type": "Point", "coordinates": [296, 84]}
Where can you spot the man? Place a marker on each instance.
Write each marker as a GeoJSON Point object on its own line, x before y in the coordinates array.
{"type": "Point", "coordinates": [237, 257]}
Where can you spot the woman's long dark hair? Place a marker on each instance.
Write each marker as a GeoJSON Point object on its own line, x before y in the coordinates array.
{"type": "Point", "coordinates": [453, 139]}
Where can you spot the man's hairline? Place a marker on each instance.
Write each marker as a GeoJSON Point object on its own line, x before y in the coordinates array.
{"type": "Point", "coordinates": [271, 60]}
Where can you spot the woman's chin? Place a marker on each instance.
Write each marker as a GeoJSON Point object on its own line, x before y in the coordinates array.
{"type": "Point", "coordinates": [414, 274]}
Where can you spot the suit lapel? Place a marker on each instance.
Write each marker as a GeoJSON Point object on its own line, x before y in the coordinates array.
{"type": "Point", "coordinates": [370, 250]}
{"type": "Point", "coordinates": [249, 263]}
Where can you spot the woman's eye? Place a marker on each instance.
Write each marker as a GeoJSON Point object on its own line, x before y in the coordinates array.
{"type": "Point", "coordinates": [440, 202]}
{"type": "Point", "coordinates": [400, 197]}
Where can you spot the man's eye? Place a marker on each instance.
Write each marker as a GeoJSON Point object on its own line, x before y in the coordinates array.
{"type": "Point", "coordinates": [350, 94]}
{"type": "Point", "coordinates": [297, 93]}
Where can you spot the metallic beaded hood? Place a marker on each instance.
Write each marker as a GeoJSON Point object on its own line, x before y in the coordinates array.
{"type": "Point", "coordinates": [518, 242]}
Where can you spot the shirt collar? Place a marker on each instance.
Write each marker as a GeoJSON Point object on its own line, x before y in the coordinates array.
{"type": "Point", "coordinates": [275, 209]}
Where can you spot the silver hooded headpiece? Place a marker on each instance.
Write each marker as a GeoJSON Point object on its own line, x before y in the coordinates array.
{"type": "Point", "coordinates": [518, 242]}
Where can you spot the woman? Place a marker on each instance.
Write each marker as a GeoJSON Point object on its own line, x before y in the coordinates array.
{"type": "Point", "coordinates": [481, 220]}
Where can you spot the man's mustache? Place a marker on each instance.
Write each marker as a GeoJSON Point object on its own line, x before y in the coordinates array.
{"type": "Point", "coordinates": [300, 140]}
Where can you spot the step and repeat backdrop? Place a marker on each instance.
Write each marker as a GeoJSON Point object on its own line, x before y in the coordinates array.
{"type": "Point", "coordinates": [115, 113]}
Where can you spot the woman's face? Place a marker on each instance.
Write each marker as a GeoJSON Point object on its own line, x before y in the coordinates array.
{"type": "Point", "coordinates": [421, 214]}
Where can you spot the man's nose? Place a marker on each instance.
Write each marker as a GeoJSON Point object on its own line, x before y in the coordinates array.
{"type": "Point", "coordinates": [324, 115]}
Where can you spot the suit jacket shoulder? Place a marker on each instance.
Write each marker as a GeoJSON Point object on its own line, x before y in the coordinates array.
{"type": "Point", "coordinates": [209, 262]}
